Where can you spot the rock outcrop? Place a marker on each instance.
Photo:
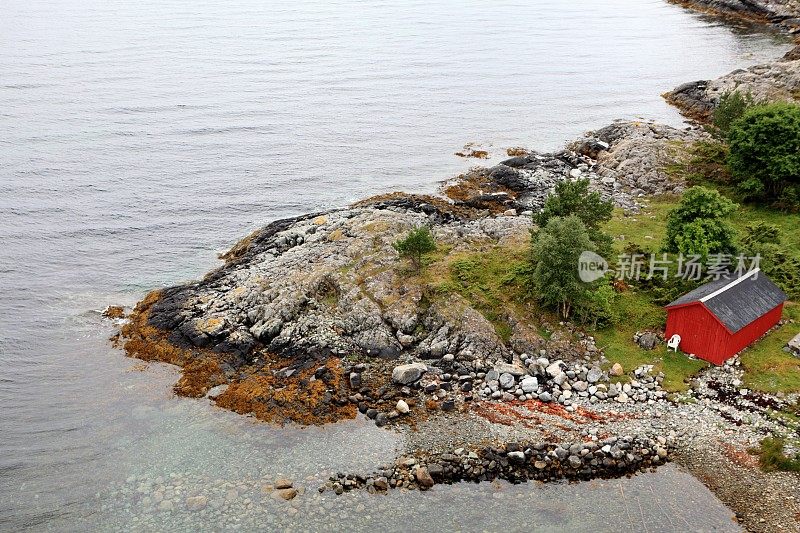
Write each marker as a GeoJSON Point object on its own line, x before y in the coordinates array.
{"type": "Point", "coordinates": [775, 81]}
{"type": "Point", "coordinates": [784, 14]}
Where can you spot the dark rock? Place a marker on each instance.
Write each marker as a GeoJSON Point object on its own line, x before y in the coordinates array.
{"type": "Point", "coordinates": [508, 177]}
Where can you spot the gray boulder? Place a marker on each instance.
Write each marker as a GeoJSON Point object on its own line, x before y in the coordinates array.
{"type": "Point", "coordinates": [408, 374]}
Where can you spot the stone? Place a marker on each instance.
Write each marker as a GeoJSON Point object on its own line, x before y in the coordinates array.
{"type": "Point", "coordinates": [381, 419]}
{"type": "Point", "coordinates": [283, 483]}
{"type": "Point", "coordinates": [215, 392]}
{"type": "Point", "coordinates": [402, 407]}
{"type": "Point", "coordinates": [424, 479]}
{"type": "Point", "coordinates": [448, 358]}
{"type": "Point", "coordinates": [514, 370]}
{"type": "Point", "coordinates": [407, 374]}
{"type": "Point", "coordinates": [196, 503]}
{"type": "Point", "coordinates": [166, 505]}
{"type": "Point", "coordinates": [448, 405]}
{"type": "Point", "coordinates": [546, 397]}
{"type": "Point", "coordinates": [594, 375]}
{"type": "Point", "coordinates": [616, 370]}
{"type": "Point", "coordinates": [580, 386]}
{"type": "Point", "coordinates": [554, 369]}
{"type": "Point", "coordinates": [355, 380]}
{"type": "Point", "coordinates": [507, 380]}
{"type": "Point", "coordinates": [794, 345]}
{"type": "Point", "coordinates": [574, 461]}
{"type": "Point", "coordinates": [517, 457]}
{"type": "Point", "coordinates": [648, 341]}
{"type": "Point", "coordinates": [560, 378]}
{"type": "Point", "coordinates": [285, 494]}
{"type": "Point", "coordinates": [529, 384]}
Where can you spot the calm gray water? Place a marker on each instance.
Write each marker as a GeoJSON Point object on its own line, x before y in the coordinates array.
{"type": "Point", "coordinates": [137, 139]}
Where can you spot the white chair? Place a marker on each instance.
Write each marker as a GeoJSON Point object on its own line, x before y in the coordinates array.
{"type": "Point", "coordinates": [674, 342]}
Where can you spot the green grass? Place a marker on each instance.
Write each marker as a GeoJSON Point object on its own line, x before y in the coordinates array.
{"type": "Point", "coordinates": [646, 228]}
{"type": "Point", "coordinates": [490, 280]}
{"type": "Point", "coordinates": [638, 313]}
{"type": "Point", "coordinates": [767, 367]}
{"type": "Point", "coordinates": [772, 459]}
{"type": "Point", "coordinates": [787, 222]}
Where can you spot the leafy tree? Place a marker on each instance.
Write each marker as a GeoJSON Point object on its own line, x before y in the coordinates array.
{"type": "Point", "coordinates": [732, 105]}
{"type": "Point", "coordinates": [417, 243]}
{"type": "Point", "coordinates": [698, 224]}
{"type": "Point", "coordinates": [574, 198]}
{"type": "Point", "coordinates": [765, 153]}
{"type": "Point", "coordinates": [555, 253]}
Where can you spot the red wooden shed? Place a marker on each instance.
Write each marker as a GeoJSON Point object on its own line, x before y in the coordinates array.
{"type": "Point", "coordinates": [719, 319]}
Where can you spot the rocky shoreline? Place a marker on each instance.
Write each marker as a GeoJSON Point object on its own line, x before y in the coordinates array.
{"type": "Point", "coordinates": [784, 14]}
{"type": "Point", "coordinates": [775, 81]}
{"type": "Point", "coordinates": [313, 320]}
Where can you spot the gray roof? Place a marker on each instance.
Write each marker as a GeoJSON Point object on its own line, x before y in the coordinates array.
{"type": "Point", "coordinates": [737, 301]}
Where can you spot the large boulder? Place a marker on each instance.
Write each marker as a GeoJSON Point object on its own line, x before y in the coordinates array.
{"type": "Point", "coordinates": [407, 374]}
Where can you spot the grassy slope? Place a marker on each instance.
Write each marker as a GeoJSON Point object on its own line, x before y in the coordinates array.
{"type": "Point", "coordinates": [488, 276]}
{"type": "Point", "coordinates": [767, 367]}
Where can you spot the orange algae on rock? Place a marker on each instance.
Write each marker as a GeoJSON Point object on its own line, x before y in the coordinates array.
{"type": "Point", "coordinates": [148, 343]}
{"type": "Point", "coordinates": [269, 396]}
{"type": "Point", "coordinates": [199, 376]}
{"type": "Point", "coordinates": [300, 398]}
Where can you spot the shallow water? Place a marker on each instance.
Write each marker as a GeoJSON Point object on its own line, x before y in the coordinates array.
{"type": "Point", "coordinates": [140, 138]}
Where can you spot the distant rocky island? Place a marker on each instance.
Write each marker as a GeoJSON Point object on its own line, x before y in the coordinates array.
{"type": "Point", "coordinates": [315, 319]}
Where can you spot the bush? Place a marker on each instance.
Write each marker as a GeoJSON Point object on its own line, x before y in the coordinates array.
{"type": "Point", "coordinates": [777, 261]}
{"type": "Point", "coordinates": [574, 198]}
{"type": "Point", "coordinates": [732, 105]}
{"type": "Point", "coordinates": [765, 154]}
{"type": "Point", "coordinates": [597, 307]}
{"type": "Point", "coordinates": [417, 243]}
{"type": "Point", "coordinates": [698, 226]}
{"type": "Point", "coordinates": [555, 253]}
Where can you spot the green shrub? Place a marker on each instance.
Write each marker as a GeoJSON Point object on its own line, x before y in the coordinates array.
{"type": "Point", "coordinates": [765, 154]}
{"type": "Point", "coordinates": [732, 105]}
{"type": "Point", "coordinates": [574, 198]}
{"type": "Point", "coordinates": [777, 261]}
{"type": "Point", "coordinates": [698, 226]}
{"type": "Point", "coordinates": [555, 253]}
{"type": "Point", "coordinates": [761, 232]}
{"type": "Point", "coordinates": [597, 308]}
{"type": "Point", "coordinates": [417, 243]}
